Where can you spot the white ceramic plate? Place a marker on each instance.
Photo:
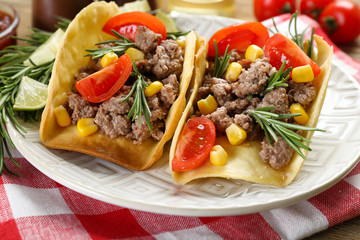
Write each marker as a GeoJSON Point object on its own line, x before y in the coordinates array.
{"type": "Point", "coordinates": [335, 153]}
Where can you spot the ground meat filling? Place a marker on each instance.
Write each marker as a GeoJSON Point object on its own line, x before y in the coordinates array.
{"type": "Point", "coordinates": [234, 98]}
{"type": "Point", "coordinates": [161, 61]}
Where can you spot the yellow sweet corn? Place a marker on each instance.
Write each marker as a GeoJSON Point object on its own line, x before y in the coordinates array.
{"type": "Point", "coordinates": [62, 116]}
{"type": "Point", "coordinates": [135, 54]}
{"type": "Point", "coordinates": [153, 88]}
{"type": "Point", "coordinates": [86, 127]}
{"type": "Point", "coordinates": [302, 74]}
{"type": "Point", "coordinates": [108, 58]}
{"type": "Point", "coordinates": [207, 105]}
{"type": "Point", "coordinates": [253, 52]}
{"type": "Point", "coordinates": [233, 71]}
{"type": "Point", "coordinates": [235, 134]}
{"type": "Point", "coordinates": [218, 156]}
{"type": "Point", "coordinates": [181, 43]}
{"type": "Point", "coordinates": [298, 108]}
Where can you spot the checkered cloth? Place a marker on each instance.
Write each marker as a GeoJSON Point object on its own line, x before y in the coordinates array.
{"type": "Point", "coordinates": [34, 206]}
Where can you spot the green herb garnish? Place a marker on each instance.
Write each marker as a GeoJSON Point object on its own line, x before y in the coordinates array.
{"type": "Point", "coordinates": [220, 65]}
{"type": "Point", "coordinates": [140, 105]}
{"type": "Point", "coordinates": [120, 47]}
{"type": "Point", "coordinates": [12, 70]}
{"type": "Point", "coordinates": [277, 79]}
{"type": "Point", "coordinates": [176, 35]}
{"type": "Point", "coordinates": [298, 38]}
{"type": "Point", "coordinates": [271, 125]}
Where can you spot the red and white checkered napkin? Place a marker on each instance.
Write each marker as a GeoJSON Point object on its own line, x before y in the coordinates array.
{"type": "Point", "coordinates": [35, 207]}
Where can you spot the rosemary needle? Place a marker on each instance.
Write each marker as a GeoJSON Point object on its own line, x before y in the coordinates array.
{"type": "Point", "coordinates": [271, 125]}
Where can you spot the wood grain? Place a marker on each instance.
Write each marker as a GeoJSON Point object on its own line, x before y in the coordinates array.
{"type": "Point", "coordinates": [244, 10]}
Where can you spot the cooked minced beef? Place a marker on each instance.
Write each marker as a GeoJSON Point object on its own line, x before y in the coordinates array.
{"type": "Point", "coordinates": [235, 98]}
{"type": "Point", "coordinates": [254, 79]}
{"type": "Point", "coordinates": [146, 40]}
{"type": "Point", "coordinates": [277, 98]}
{"type": "Point", "coordinates": [80, 107]}
{"type": "Point", "coordinates": [277, 155]}
{"type": "Point", "coordinates": [303, 93]}
{"type": "Point", "coordinates": [168, 59]}
{"type": "Point", "coordinates": [165, 61]}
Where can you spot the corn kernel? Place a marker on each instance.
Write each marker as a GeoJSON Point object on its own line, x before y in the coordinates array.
{"type": "Point", "coordinates": [108, 59]}
{"type": "Point", "coordinates": [207, 105]}
{"type": "Point", "coordinates": [181, 43]}
{"type": "Point", "coordinates": [302, 74]}
{"type": "Point", "coordinates": [135, 54]}
{"type": "Point", "coordinates": [233, 71]}
{"type": "Point", "coordinates": [314, 52]}
{"type": "Point", "coordinates": [218, 156]}
{"type": "Point", "coordinates": [153, 88]}
{"type": "Point", "coordinates": [253, 52]}
{"type": "Point", "coordinates": [297, 108]}
{"type": "Point", "coordinates": [62, 116]}
{"type": "Point", "coordinates": [86, 127]}
{"type": "Point", "coordinates": [235, 134]}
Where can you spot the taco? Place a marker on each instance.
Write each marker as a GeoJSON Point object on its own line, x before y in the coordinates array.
{"type": "Point", "coordinates": [86, 109]}
{"type": "Point", "coordinates": [230, 111]}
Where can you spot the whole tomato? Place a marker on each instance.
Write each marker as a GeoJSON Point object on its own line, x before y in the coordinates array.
{"type": "Point", "coordinates": [341, 21]}
{"type": "Point", "coordinates": [265, 9]}
{"type": "Point", "coordinates": [313, 8]}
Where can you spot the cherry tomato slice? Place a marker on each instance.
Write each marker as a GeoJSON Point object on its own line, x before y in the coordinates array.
{"type": "Point", "coordinates": [103, 84]}
{"type": "Point", "coordinates": [194, 145]}
{"type": "Point", "coordinates": [280, 48]}
{"type": "Point", "coordinates": [126, 24]}
{"type": "Point", "coordinates": [239, 37]}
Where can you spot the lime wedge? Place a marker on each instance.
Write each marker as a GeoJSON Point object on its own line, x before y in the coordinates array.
{"type": "Point", "coordinates": [47, 51]}
{"type": "Point", "coordinates": [168, 21]}
{"type": "Point", "coordinates": [32, 95]}
{"type": "Point", "coordinates": [142, 6]}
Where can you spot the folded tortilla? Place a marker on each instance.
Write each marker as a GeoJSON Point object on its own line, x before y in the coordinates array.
{"type": "Point", "coordinates": [244, 161]}
{"type": "Point", "coordinates": [83, 32]}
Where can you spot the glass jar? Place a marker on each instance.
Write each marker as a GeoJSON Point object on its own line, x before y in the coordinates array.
{"type": "Point", "coordinates": [9, 21]}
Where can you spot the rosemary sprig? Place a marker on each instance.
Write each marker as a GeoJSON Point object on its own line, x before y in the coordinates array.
{"type": "Point", "coordinates": [277, 79]}
{"type": "Point", "coordinates": [220, 65]}
{"type": "Point", "coordinates": [140, 105]}
{"type": "Point", "coordinates": [120, 48]}
{"type": "Point", "coordinates": [12, 70]}
{"type": "Point", "coordinates": [271, 125]}
{"type": "Point", "coordinates": [298, 38]}
{"type": "Point", "coordinates": [176, 35]}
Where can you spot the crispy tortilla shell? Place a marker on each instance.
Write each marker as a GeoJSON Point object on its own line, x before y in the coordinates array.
{"type": "Point", "coordinates": [244, 161]}
{"type": "Point", "coordinates": [83, 32]}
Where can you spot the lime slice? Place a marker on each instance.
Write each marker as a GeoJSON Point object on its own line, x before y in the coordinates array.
{"type": "Point", "coordinates": [168, 21]}
{"type": "Point", "coordinates": [142, 6]}
{"type": "Point", "coordinates": [47, 51]}
{"type": "Point", "coordinates": [32, 95]}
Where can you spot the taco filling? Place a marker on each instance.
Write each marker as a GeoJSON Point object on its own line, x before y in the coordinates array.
{"type": "Point", "coordinates": [118, 91]}
{"type": "Point", "coordinates": [253, 113]}
{"type": "Point", "coordinates": [159, 64]}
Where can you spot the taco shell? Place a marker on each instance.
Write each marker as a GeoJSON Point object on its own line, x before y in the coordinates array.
{"type": "Point", "coordinates": [244, 161]}
{"type": "Point", "coordinates": [83, 32]}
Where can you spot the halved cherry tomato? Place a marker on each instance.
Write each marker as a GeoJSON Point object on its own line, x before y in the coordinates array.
{"type": "Point", "coordinates": [313, 8]}
{"type": "Point", "coordinates": [341, 21]}
{"type": "Point", "coordinates": [103, 84]}
{"type": "Point", "coordinates": [280, 48]}
{"type": "Point", "coordinates": [126, 24]}
{"type": "Point", "coordinates": [195, 143]}
{"type": "Point", "coordinates": [239, 37]}
{"type": "Point", "coordinates": [265, 9]}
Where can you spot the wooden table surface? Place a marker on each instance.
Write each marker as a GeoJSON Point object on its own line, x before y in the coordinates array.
{"type": "Point", "coordinates": [244, 10]}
